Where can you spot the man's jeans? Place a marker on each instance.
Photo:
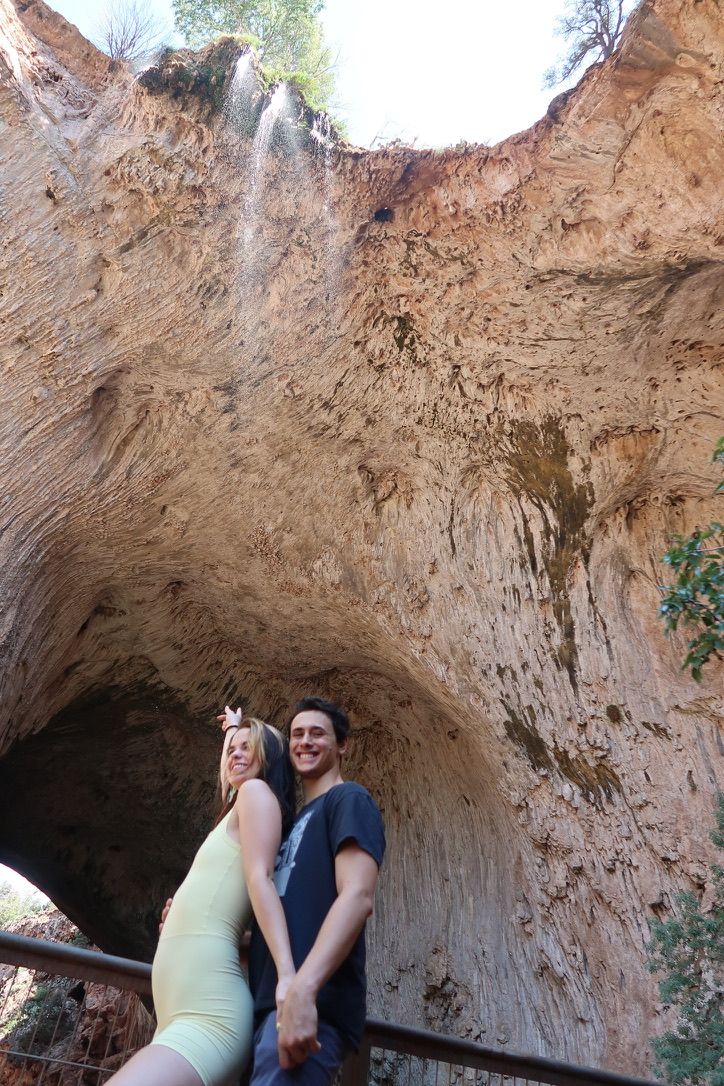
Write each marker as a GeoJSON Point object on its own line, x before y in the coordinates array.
{"type": "Point", "coordinates": [319, 1068]}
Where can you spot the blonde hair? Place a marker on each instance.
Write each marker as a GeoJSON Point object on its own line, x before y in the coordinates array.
{"type": "Point", "coordinates": [257, 731]}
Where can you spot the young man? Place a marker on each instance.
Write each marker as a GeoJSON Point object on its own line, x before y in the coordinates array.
{"type": "Point", "coordinates": [325, 874]}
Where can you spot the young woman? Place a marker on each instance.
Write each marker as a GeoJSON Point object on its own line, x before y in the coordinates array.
{"type": "Point", "coordinates": [203, 1005]}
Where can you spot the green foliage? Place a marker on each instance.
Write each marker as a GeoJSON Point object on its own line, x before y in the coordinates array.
{"type": "Point", "coordinates": [314, 91]}
{"type": "Point", "coordinates": [689, 950]}
{"type": "Point", "coordinates": [15, 905]}
{"type": "Point", "coordinates": [591, 29]}
{"type": "Point", "coordinates": [289, 35]}
{"type": "Point", "coordinates": [697, 596]}
{"type": "Point", "coordinates": [47, 1016]}
{"type": "Point", "coordinates": [718, 458]}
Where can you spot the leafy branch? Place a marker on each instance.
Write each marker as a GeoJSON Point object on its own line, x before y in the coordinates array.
{"type": "Point", "coordinates": [289, 33]}
{"type": "Point", "coordinates": [696, 598]}
{"type": "Point", "coordinates": [689, 950]}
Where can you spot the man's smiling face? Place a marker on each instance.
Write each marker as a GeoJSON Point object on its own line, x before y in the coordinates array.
{"type": "Point", "coordinates": [313, 745]}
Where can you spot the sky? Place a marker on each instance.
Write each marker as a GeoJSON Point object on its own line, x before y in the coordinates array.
{"type": "Point", "coordinates": [427, 73]}
{"type": "Point", "coordinates": [18, 883]}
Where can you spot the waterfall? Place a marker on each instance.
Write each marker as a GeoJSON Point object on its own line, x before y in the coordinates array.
{"type": "Point", "coordinates": [238, 105]}
{"type": "Point", "coordinates": [334, 257]}
{"type": "Point", "coordinates": [271, 113]}
{"type": "Point", "coordinates": [271, 142]}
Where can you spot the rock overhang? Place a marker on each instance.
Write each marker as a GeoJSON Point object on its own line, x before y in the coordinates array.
{"type": "Point", "coordinates": [423, 462]}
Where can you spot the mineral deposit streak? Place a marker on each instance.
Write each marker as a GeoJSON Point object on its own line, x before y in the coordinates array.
{"type": "Point", "coordinates": [332, 248]}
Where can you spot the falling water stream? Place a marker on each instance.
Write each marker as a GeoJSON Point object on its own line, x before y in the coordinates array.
{"type": "Point", "coordinates": [237, 108]}
{"type": "Point", "coordinates": [258, 169]}
{"type": "Point", "coordinates": [280, 153]}
{"type": "Point", "coordinates": [333, 259]}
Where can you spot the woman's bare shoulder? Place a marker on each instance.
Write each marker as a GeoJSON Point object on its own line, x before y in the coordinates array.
{"type": "Point", "coordinates": [255, 791]}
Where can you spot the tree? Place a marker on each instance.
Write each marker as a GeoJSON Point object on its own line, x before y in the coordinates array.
{"type": "Point", "coordinates": [129, 30]}
{"type": "Point", "coordinates": [689, 950]}
{"type": "Point", "coordinates": [697, 596]}
{"type": "Point", "coordinates": [288, 35]}
{"type": "Point", "coordinates": [592, 29]}
{"type": "Point", "coordinates": [14, 904]}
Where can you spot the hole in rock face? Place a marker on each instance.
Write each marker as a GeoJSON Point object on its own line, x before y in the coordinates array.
{"type": "Point", "coordinates": [51, 1015]}
{"type": "Point", "coordinates": [384, 214]}
{"type": "Point", "coordinates": [104, 809]}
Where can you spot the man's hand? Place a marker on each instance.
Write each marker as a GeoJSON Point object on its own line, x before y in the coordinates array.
{"type": "Point", "coordinates": [297, 1026]}
{"type": "Point", "coordinates": [164, 913]}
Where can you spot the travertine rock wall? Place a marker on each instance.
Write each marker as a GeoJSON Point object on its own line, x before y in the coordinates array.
{"type": "Point", "coordinates": [258, 441]}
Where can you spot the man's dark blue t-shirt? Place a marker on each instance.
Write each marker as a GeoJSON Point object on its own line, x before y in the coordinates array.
{"type": "Point", "coordinates": [305, 879]}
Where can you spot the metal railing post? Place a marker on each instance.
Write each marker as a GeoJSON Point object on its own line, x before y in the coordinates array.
{"type": "Point", "coordinates": [356, 1068]}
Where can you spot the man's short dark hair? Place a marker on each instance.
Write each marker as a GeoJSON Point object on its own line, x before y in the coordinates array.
{"type": "Point", "coordinates": [340, 720]}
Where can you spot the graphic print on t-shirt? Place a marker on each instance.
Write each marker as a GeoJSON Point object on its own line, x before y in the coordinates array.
{"type": "Point", "coordinates": [285, 859]}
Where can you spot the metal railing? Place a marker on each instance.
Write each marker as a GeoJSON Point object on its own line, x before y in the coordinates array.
{"type": "Point", "coordinates": [75, 1016]}
{"type": "Point", "coordinates": [404, 1056]}
{"type": "Point", "coordinates": [68, 1016]}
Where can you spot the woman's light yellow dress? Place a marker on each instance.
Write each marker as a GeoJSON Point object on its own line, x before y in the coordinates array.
{"type": "Point", "coordinates": [203, 1006]}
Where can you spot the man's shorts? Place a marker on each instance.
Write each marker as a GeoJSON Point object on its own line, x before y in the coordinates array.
{"type": "Point", "coordinates": [319, 1068]}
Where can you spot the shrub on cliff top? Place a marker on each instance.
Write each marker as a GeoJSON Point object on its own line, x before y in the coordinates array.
{"type": "Point", "coordinates": [288, 31]}
{"type": "Point", "coordinates": [129, 30]}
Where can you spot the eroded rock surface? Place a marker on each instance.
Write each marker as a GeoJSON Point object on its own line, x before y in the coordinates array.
{"type": "Point", "coordinates": [262, 441]}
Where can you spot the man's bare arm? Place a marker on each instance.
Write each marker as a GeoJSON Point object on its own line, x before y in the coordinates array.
{"type": "Point", "coordinates": [356, 876]}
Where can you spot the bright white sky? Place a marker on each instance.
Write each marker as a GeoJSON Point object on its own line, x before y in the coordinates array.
{"type": "Point", "coordinates": [18, 883]}
{"type": "Point", "coordinates": [424, 71]}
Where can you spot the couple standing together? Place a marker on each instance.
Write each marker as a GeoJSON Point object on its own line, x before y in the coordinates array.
{"type": "Point", "coordinates": [310, 881]}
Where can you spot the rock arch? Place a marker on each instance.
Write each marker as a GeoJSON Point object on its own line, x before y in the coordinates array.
{"type": "Point", "coordinates": [425, 462]}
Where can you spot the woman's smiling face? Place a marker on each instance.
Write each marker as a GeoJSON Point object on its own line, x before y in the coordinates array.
{"type": "Point", "coordinates": [242, 763]}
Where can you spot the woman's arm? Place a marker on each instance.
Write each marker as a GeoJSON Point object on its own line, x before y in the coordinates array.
{"type": "Point", "coordinates": [164, 913]}
{"type": "Point", "coordinates": [230, 720]}
{"type": "Point", "coordinates": [260, 834]}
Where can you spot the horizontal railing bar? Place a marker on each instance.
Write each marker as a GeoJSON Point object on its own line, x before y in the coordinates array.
{"type": "Point", "coordinates": [23, 1056]}
{"type": "Point", "coordinates": [74, 962]}
{"type": "Point", "coordinates": [447, 1049]}
{"type": "Point", "coordinates": [79, 964]}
